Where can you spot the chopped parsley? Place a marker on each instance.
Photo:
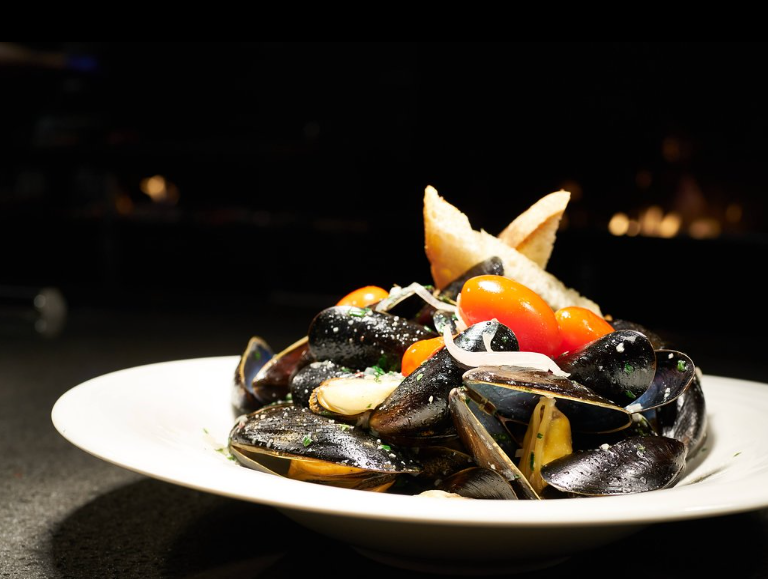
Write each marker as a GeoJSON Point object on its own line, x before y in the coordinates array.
{"type": "Point", "coordinates": [630, 394]}
{"type": "Point", "coordinates": [539, 435]}
{"type": "Point", "coordinates": [628, 368]}
{"type": "Point", "coordinates": [307, 440]}
{"type": "Point", "coordinates": [225, 452]}
{"type": "Point", "coordinates": [532, 461]}
{"type": "Point", "coordinates": [359, 312]}
{"type": "Point", "coordinates": [419, 376]}
{"type": "Point", "coordinates": [256, 354]}
{"type": "Point", "coordinates": [344, 427]}
{"type": "Point", "coordinates": [378, 371]}
{"type": "Point", "coordinates": [681, 365]}
{"type": "Point", "coordinates": [385, 447]}
{"type": "Point", "coordinates": [737, 454]}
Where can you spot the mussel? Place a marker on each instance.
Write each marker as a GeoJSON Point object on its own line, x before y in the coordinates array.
{"type": "Point", "coordinates": [362, 337]}
{"type": "Point", "coordinates": [257, 353]}
{"type": "Point", "coordinates": [318, 449]}
{"type": "Point", "coordinates": [417, 412]}
{"type": "Point", "coordinates": [633, 465]}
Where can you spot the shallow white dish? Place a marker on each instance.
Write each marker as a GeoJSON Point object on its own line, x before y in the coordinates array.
{"type": "Point", "coordinates": [171, 420]}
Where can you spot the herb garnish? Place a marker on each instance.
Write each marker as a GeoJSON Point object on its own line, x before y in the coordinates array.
{"type": "Point", "coordinates": [307, 440]}
{"type": "Point", "coordinates": [359, 312]}
{"type": "Point", "coordinates": [681, 365]}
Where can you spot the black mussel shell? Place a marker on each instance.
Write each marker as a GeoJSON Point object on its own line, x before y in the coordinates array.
{"type": "Point", "coordinates": [272, 381]}
{"type": "Point", "coordinates": [288, 431]}
{"type": "Point", "coordinates": [675, 372]}
{"type": "Point", "coordinates": [478, 483]}
{"type": "Point", "coordinates": [305, 380]}
{"type": "Point", "coordinates": [634, 465]}
{"type": "Point", "coordinates": [439, 462]}
{"type": "Point", "coordinates": [417, 412]}
{"type": "Point", "coordinates": [487, 441]}
{"type": "Point", "coordinates": [619, 366]}
{"type": "Point", "coordinates": [257, 353]}
{"type": "Point", "coordinates": [359, 338]}
{"type": "Point", "coordinates": [513, 392]}
{"type": "Point", "coordinates": [686, 418]}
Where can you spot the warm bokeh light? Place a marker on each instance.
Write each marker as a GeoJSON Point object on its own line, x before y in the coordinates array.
{"type": "Point", "coordinates": [650, 220]}
{"type": "Point", "coordinates": [670, 225]}
{"type": "Point", "coordinates": [618, 224]}
{"type": "Point", "coordinates": [159, 190]}
{"type": "Point", "coordinates": [704, 228]}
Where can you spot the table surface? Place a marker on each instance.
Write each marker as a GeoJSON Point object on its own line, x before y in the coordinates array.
{"type": "Point", "coordinates": [65, 513]}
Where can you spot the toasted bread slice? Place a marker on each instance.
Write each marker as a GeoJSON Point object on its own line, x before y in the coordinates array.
{"type": "Point", "coordinates": [453, 246]}
{"type": "Point", "coordinates": [533, 232]}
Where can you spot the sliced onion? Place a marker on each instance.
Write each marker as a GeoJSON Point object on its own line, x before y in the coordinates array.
{"type": "Point", "coordinates": [533, 360]}
{"type": "Point", "coordinates": [423, 293]}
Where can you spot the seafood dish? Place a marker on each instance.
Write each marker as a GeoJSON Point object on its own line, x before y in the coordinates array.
{"type": "Point", "coordinates": [491, 381]}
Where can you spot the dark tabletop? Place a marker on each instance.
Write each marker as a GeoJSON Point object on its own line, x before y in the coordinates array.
{"type": "Point", "coordinates": [65, 513]}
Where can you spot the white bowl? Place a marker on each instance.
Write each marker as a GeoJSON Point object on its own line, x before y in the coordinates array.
{"type": "Point", "coordinates": [171, 421]}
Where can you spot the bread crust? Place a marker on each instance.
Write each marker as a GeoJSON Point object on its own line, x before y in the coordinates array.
{"type": "Point", "coordinates": [452, 246]}
{"type": "Point", "coordinates": [533, 232]}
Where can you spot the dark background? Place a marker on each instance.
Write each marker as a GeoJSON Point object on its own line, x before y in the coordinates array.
{"type": "Point", "coordinates": [167, 201]}
{"type": "Point", "coordinates": [292, 172]}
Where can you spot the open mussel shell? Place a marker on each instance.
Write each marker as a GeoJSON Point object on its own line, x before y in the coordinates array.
{"type": "Point", "coordinates": [272, 382]}
{"type": "Point", "coordinates": [619, 366]}
{"type": "Point", "coordinates": [361, 337]}
{"type": "Point", "coordinates": [350, 397]}
{"type": "Point", "coordinates": [674, 374]}
{"type": "Point", "coordinates": [482, 435]}
{"type": "Point", "coordinates": [257, 353]}
{"type": "Point", "coordinates": [476, 482]}
{"type": "Point", "coordinates": [514, 392]}
{"type": "Point", "coordinates": [634, 465]}
{"type": "Point", "coordinates": [685, 419]}
{"type": "Point", "coordinates": [417, 412]}
{"type": "Point", "coordinates": [286, 431]}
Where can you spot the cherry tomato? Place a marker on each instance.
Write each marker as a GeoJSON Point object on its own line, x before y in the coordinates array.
{"type": "Point", "coordinates": [418, 352]}
{"type": "Point", "coordinates": [363, 296]}
{"type": "Point", "coordinates": [518, 307]}
{"type": "Point", "coordinates": [579, 326]}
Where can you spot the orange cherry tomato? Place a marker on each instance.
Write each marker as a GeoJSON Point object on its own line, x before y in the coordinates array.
{"type": "Point", "coordinates": [579, 326]}
{"type": "Point", "coordinates": [518, 307]}
{"type": "Point", "coordinates": [364, 296]}
{"type": "Point", "coordinates": [418, 352]}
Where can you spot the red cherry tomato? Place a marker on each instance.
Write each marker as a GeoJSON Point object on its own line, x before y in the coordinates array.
{"type": "Point", "coordinates": [364, 296]}
{"type": "Point", "coordinates": [518, 307]}
{"type": "Point", "coordinates": [418, 352]}
{"type": "Point", "coordinates": [579, 326]}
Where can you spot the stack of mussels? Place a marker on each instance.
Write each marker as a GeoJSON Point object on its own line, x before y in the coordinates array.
{"type": "Point", "coordinates": [333, 408]}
